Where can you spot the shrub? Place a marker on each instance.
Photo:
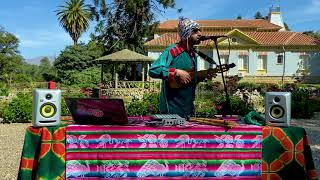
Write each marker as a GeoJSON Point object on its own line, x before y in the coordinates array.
{"type": "Point", "coordinates": [22, 78]}
{"type": "Point", "coordinates": [253, 99]}
{"type": "Point", "coordinates": [71, 94]}
{"type": "Point", "coordinates": [247, 85]}
{"type": "Point", "coordinates": [152, 100]}
{"type": "Point", "coordinates": [3, 104]}
{"type": "Point", "coordinates": [64, 108]}
{"type": "Point", "coordinates": [205, 107]}
{"type": "Point", "coordinates": [137, 108]}
{"type": "Point", "coordinates": [315, 104]}
{"type": "Point", "coordinates": [19, 109]}
{"type": "Point", "coordinates": [238, 106]}
{"type": "Point", "coordinates": [301, 106]}
{"type": "Point", "coordinates": [147, 106]}
{"type": "Point", "coordinates": [4, 90]}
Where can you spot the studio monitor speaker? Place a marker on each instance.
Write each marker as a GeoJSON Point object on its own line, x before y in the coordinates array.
{"type": "Point", "coordinates": [278, 108]}
{"type": "Point", "coordinates": [46, 109]}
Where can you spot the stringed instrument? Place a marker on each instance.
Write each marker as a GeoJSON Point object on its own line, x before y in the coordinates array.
{"type": "Point", "coordinates": [176, 83]}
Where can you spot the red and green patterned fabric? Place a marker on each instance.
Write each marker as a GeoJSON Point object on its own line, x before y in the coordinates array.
{"type": "Point", "coordinates": [43, 153]}
{"type": "Point", "coordinates": [286, 154]}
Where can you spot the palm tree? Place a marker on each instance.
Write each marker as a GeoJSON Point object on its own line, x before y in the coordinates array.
{"type": "Point", "coordinates": [74, 17]}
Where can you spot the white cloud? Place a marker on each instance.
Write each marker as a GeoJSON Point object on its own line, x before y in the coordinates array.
{"type": "Point", "coordinates": [45, 35]}
{"type": "Point", "coordinates": [32, 43]}
{"type": "Point", "coordinates": [42, 38]}
{"type": "Point", "coordinates": [200, 9]}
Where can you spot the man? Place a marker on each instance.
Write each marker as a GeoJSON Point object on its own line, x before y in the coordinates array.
{"type": "Point", "coordinates": [173, 64]}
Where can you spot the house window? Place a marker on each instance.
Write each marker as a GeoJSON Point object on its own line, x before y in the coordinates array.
{"type": "Point", "coordinates": [279, 59]}
{"type": "Point", "coordinates": [224, 59]}
{"type": "Point", "coordinates": [262, 62]}
{"type": "Point", "coordinates": [234, 40]}
{"type": "Point", "coordinates": [304, 62]}
{"type": "Point", "coordinates": [243, 62]}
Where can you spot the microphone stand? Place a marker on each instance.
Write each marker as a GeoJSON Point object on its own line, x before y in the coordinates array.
{"type": "Point", "coordinates": [228, 106]}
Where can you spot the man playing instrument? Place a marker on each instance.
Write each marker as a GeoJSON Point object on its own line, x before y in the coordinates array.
{"type": "Point", "coordinates": [173, 65]}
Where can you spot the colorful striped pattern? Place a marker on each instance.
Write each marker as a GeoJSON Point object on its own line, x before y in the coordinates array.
{"type": "Point", "coordinates": [200, 151]}
{"type": "Point", "coordinates": [176, 50]}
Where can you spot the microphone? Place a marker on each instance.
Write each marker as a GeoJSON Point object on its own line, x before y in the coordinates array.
{"type": "Point", "coordinates": [204, 38]}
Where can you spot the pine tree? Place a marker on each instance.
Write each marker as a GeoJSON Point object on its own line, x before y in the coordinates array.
{"type": "Point", "coordinates": [258, 15]}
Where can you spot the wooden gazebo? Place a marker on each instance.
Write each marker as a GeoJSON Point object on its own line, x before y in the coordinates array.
{"type": "Point", "coordinates": [126, 57]}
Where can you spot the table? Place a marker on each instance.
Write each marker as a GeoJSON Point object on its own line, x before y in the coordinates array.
{"type": "Point", "coordinates": [200, 151]}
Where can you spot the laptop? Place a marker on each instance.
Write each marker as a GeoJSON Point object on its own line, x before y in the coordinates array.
{"type": "Point", "coordinates": [97, 111]}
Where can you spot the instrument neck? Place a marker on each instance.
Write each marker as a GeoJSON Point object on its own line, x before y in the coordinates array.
{"type": "Point", "coordinates": [205, 57]}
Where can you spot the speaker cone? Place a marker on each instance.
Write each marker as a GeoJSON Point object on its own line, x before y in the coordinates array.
{"type": "Point", "coordinates": [48, 110]}
{"type": "Point", "coordinates": [277, 112]}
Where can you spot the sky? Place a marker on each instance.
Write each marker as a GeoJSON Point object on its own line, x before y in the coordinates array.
{"type": "Point", "coordinates": [36, 25]}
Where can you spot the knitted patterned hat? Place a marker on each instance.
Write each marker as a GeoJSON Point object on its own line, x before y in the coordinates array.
{"type": "Point", "coordinates": [186, 26]}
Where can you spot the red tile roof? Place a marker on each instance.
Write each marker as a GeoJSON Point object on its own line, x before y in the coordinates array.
{"type": "Point", "coordinates": [263, 38]}
{"type": "Point", "coordinates": [170, 38]}
{"type": "Point", "coordinates": [259, 24]}
{"type": "Point", "coordinates": [282, 38]}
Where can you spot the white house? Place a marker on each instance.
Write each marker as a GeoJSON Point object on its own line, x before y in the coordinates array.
{"type": "Point", "coordinates": [261, 49]}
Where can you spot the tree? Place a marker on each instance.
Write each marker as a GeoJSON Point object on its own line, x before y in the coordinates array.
{"type": "Point", "coordinates": [74, 17]}
{"type": "Point", "coordinates": [46, 71]}
{"type": "Point", "coordinates": [286, 27]}
{"type": "Point", "coordinates": [10, 67]}
{"type": "Point", "coordinates": [315, 34]}
{"type": "Point", "coordinates": [75, 59]}
{"type": "Point", "coordinates": [9, 43]}
{"type": "Point", "coordinates": [10, 59]}
{"type": "Point", "coordinates": [239, 17]}
{"type": "Point", "coordinates": [31, 70]}
{"type": "Point", "coordinates": [258, 15]}
{"type": "Point", "coordinates": [45, 62]}
{"type": "Point", "coordinates": [125, 23]}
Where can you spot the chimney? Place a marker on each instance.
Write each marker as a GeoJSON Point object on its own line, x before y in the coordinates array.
{"type": "Point", "coordinates": [275, 17]}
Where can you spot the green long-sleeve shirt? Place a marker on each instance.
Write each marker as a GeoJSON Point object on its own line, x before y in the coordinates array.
{"type": "Point", "coordinates": [175, 100]}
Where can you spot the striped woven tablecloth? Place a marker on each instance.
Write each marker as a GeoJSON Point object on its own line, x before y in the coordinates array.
{"type": "Point", "coordinates": [200, 151]}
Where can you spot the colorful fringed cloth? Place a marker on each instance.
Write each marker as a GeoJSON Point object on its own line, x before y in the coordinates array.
{"type": "Point", "coordinates": [285, 150]}
{"type": "Point", "coordinates": [287, 154]}
{"type": "Point", "coordinates": [200, 151]}
{"type": "Point", "coordinates": [43, 153]}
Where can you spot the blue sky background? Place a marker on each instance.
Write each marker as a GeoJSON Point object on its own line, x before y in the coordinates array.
{"type": "Point", "coordinates": [36, 25]}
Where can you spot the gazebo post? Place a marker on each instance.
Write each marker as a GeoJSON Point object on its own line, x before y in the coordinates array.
{"type": "Point", "coordinates": [102, 65]}
{"type": "Point", "coordinates": [133, 71]}
{"type": "Point", "coordinates": [142, 75]}
{"type": "Point", "coordinates": [115, 72]}
{"type": "Point", "coordinates": [148, 66]}
{"type": "Point", "coordinates": [126, 70]}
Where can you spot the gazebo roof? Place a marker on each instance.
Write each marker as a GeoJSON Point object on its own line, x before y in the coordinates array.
{"type": "Point", "coordinates": [124, 55]}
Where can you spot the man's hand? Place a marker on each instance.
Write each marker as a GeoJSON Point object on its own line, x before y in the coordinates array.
{"type": "Point", "coordinates": [183, 76]}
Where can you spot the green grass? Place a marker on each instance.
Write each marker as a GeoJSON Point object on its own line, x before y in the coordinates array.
{"type": "Point", "coordinates": [310, 85]}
